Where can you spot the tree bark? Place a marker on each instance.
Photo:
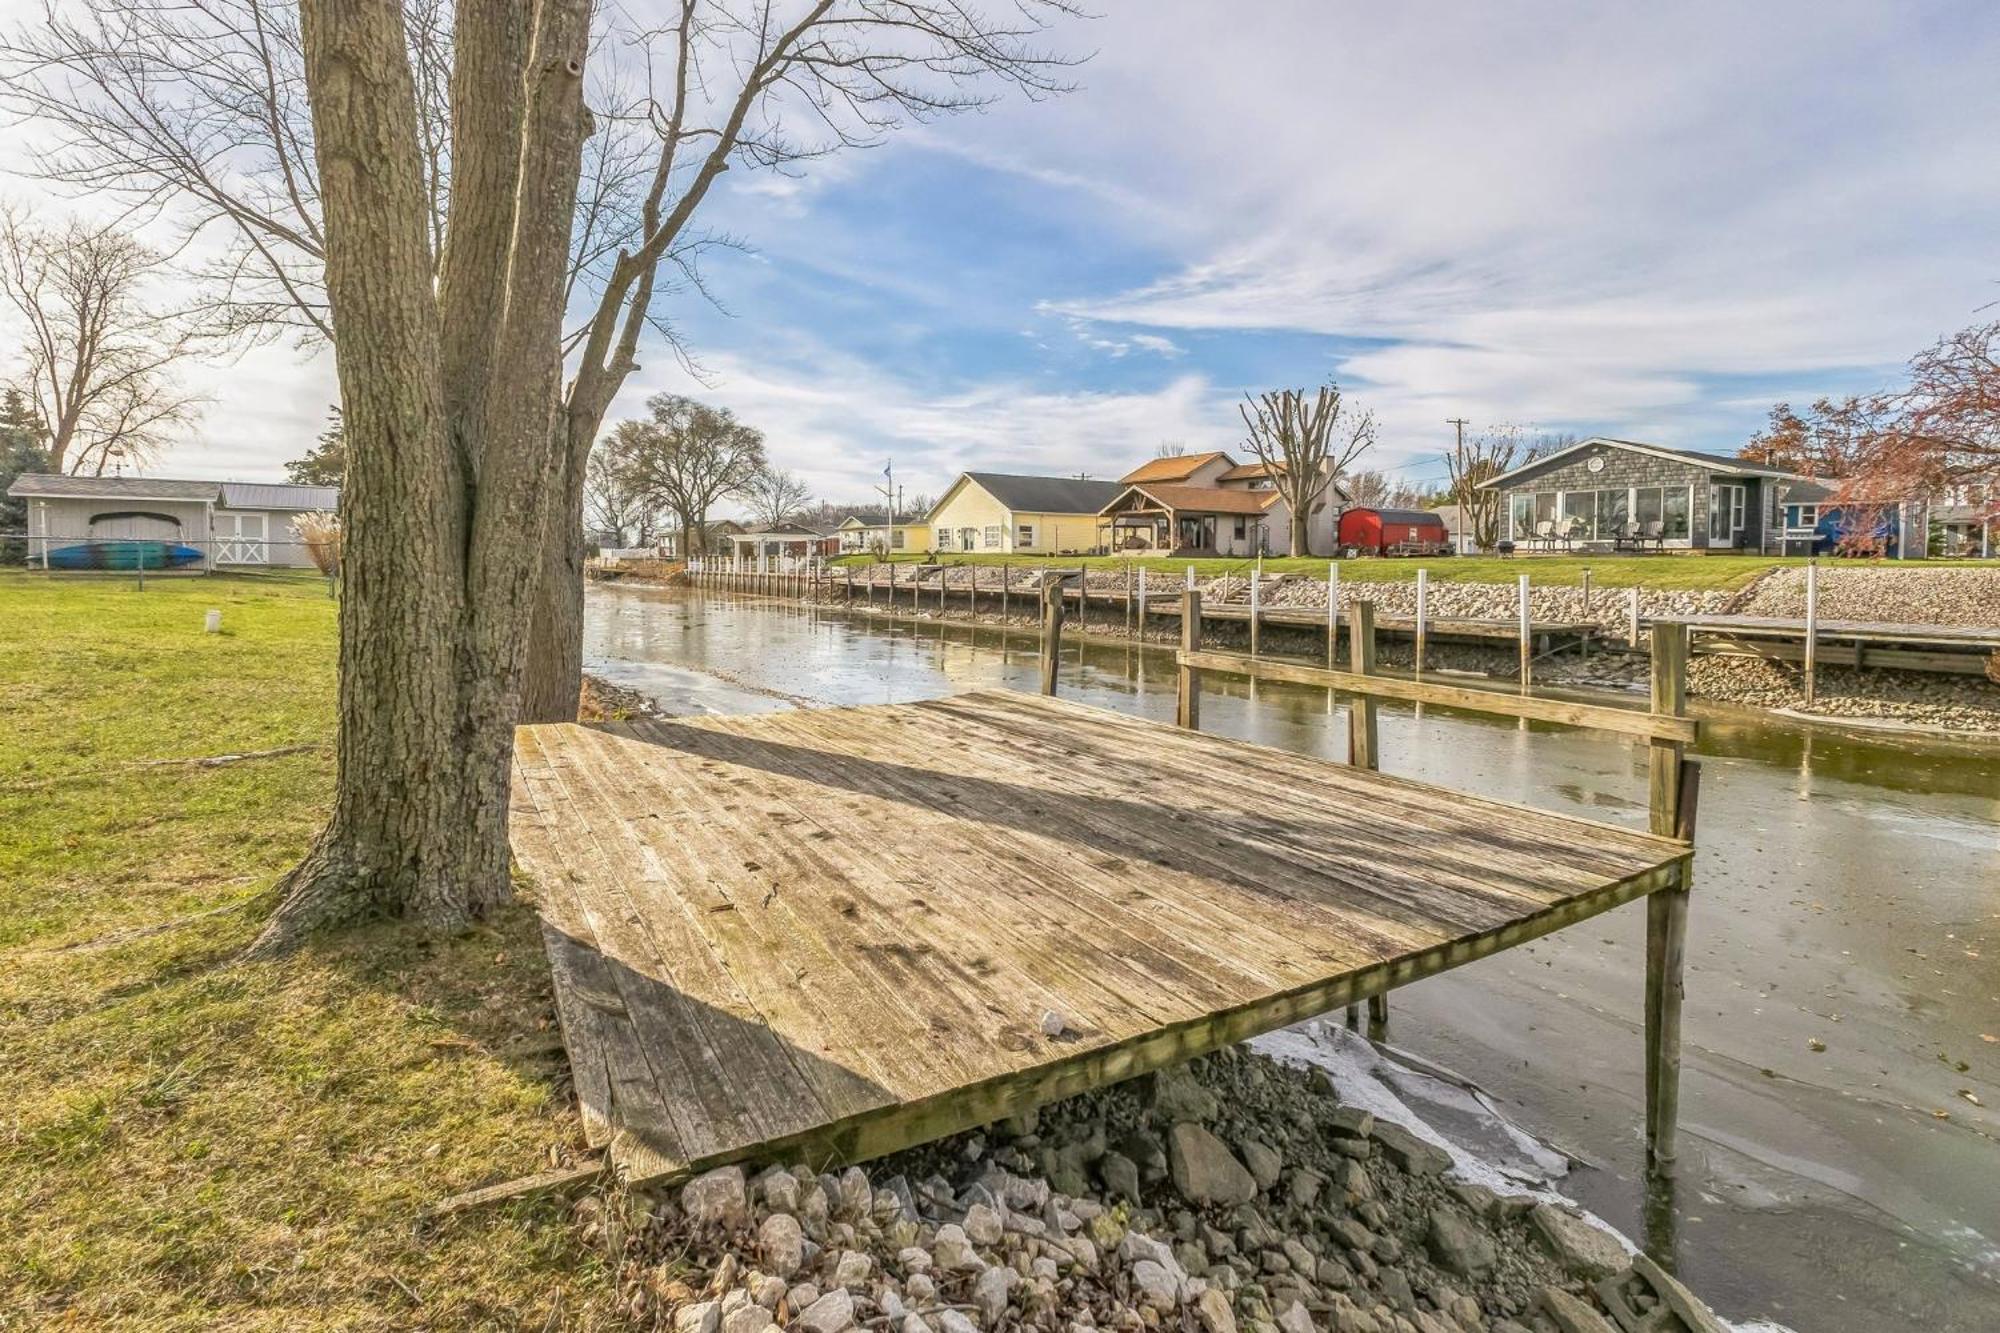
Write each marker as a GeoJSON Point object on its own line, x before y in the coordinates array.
{"type": "Point", "coordinates": [450, 449]}
{"type": "Point", "coordinates": [1301, 543]}
{"type": "Point", "coordinates": [554, 681]}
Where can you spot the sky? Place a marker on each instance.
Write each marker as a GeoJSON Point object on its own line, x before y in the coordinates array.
{"type": "Point", "coordinates": [1643, 221]}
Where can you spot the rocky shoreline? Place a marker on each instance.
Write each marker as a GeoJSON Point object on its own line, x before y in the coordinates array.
{"type": "Point", "coordinates": [1239, 1194]}
{"type": "Point", "coordinates": [1965, 705]}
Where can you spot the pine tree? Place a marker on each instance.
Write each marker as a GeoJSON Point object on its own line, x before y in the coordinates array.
{"type": "Point", "coordinates": [326, 463]}
{"type": "Point", "coordinates": [22, 449]}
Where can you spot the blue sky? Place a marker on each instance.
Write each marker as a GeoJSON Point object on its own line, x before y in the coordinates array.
{"type": "Point", "coordinates": [1572, 217]}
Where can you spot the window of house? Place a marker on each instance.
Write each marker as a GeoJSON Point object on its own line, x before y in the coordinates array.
{"type": "Point", "coordinates": [1242, 527]}
{"type": "Point", "coordinates": [1579, 509]}
{"type": "Point", "coordinates": [944, 539]}
{"type": "Point", "coordinates": [1801, 516]}
{"type": "Point", "coordinates": [1024, 536]}
{"type": "Point", "coordinates": [992, 536]}
{"type": "Point", "coordinates": [896, 536]}
{"type": "Point", "coordinates": [1676, 503]}
{"type": "Point", "coordinates": [968, 539]}
{"type": "Point", "coordinates": [1521, 514]}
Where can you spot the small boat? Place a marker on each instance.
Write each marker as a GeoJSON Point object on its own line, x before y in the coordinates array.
{"type": "Point", "coordinates": [124, 555]}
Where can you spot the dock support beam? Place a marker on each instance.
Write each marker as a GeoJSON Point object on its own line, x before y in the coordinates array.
{"type": "Point", "coordinates": [1187, 683]}
{"type": "Point", "coordinates": [1361, 734]}
{"type": "Point", "coordinates": [1052, 623]}
{"type": "Point", "coordinates": [1673, 788]}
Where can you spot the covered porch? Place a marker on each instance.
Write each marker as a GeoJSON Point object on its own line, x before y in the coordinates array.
{"type": "Point", "coordinates": [1186, 521]}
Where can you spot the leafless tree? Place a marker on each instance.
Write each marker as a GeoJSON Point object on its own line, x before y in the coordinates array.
{"type": "Point", "coordinates": [1171, 449]}
{"type": "Point", "coordinates": [1306, 444]}
{"type": "Point", "coordinates": [616, 503]}
{"type": "Point", "coordinates": [686, 457]}
{"type": "Point", "coordinates": [202, 110]}
{"type": "Point", "coordinates": [1472, 462]}
{"type": "Point", "coordinates": [776, 496]}
{"type": "Point", "coordinates": [100, 361]}
{"type": "Point", "coordinates": [1378, 490]}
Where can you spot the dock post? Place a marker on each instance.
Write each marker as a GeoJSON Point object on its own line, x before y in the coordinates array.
{"type": "Point", "coordinates": [1255, 590]}
{"type": "Point", "coordinates": [1527, 638]}
{"type": "Point", "coordinates": [1082, 596]}
{"type": "Point", "coordinates": [892, 587]}
{"type": "Point", "coordinates": [1671, 790]}
{"type": "Point", "coordinates": [1187, 681]}
{"type": "Point", "coordinates": [1423, 607]}
{"type": "Point", "coordinates": [1332, 610]}
{"type": "Point", "coordinates": [1586, 594]}
{"type": "Point", "coordinates": [1812, 631]}
{"type": "Point", "coordinates": [1632, 619]}
{"type": "Point", "coordinates": [1361, 733]}
{"type": "Point", "coordinates": [1006, 580]}
{"type": "Point", "coordinates": [1189, 571]}
{"type": "Point", "coordinates": [1052, 620]}
{"type": "Point", "coordinates": [1142, 605]}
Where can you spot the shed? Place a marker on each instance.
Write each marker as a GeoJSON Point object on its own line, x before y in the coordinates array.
{"type": "Point", "coordinates": [1367, 531]}
{"type": "Point", "coordinates": [233, 524]}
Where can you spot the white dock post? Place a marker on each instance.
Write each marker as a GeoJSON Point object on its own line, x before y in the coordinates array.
{"type": "Point", "coordinates": [1527, 639]}
{"type": "Point", "coordinates": [1189, 571]}
{"type": "Point", "coordinates": [1632, 619]}
{"type": "Point", "coordinates": [1332, 609]}
{"type": "Point", "coordinates": [1256, 587]}
{"type": "Point", "coordinates": [1812, 629]}
{"type": "Point", "coordinates": [1423, 610]}
{"type": "Point", "coordinates": [1142, 604]}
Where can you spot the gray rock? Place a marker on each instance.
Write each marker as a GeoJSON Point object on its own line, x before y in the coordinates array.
{"type": "Point", "coordinates": [920, 1288]}
{"type": "Point", "coordinates": [1305, 1186]}
{"type": "Point", "coordinates": [1146, 1154]}
{"type": "Point", "coordinates": [954, 1321]}
{"type": "Point", "coordinates": [1263, 1160]}
{"type": "Point", "coordinates": [1570, 1314]}
{"type": "Point", "coordinates": [1177, 1096]}
{"type": "Point", "coordinates": [1354, 1181]}
{"type": "Point", "coordinates": [1351, 1233]}
{"type": "Point", "coordinates": [853, 1268]}
{"type": "Point", "coordinates": [767, 1290]}
{"type": "Point", "coordinates": [781, 1190]}
{"type": "Point", "coordinates": [1296, 1319]}
{"type": "Point", "coordinates": [991, 1292]}
{"type": "Point", "coordinates": [747, 1319]}
{"type": "Point", "coordinates": [717, 1199]}
{"type": "Point", "coordinates": [913, 1323]}
{"type": "Point", "coordinates": [831, 1313]}
{"type": "Point", "coordinates": [1156, 1286]}
{"type": "Point", "coordinates": [914, 1258]}
{"type": "Point", "coordinates": [800, 1295]}
{"type": "Point", "coordinates": [1211, 1309]}
{"type": "Point", "coordinates": [1581, 1248]}
{"type": "Point", "coordinates": [983, 1226]}
{"type": "Point", "coordinates": [953, 1252]}
{"type": "Point", "coordinates": [1203, 1168]}
{"type": "Point", "coordinates": [699, 1317]}
{"type": "Point", "coordinates": [781, 1245]}
{"type": "Point", "coordinates": [1120, 1175]}
{"type": "Point", "coordinates": [856, 1195]}
{"type": "Point", "coordinates": [1457, 1245]}
{"type": "Point", "coordinates": [1416, 1156]}
{"type": "Point", "coordinates": [1348, 1122]}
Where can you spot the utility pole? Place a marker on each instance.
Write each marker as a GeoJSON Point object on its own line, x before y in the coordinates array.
{"type": "Point", "coordinates": [1461, 423]}
{"type": "Point", "coordinates": [887, 490]}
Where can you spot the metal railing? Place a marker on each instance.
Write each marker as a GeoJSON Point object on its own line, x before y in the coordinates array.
{"type": "Point", "coordinates": [88, 553]}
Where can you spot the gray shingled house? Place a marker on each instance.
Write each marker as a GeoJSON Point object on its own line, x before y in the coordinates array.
{"type": "Point", "coordinates": [1604, 494]}
{"type": "Point", "coordinates": [234, 524]}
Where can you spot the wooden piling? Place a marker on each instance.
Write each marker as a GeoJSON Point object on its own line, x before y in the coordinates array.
{"type": "Point", "coordinates": [1527, 639]}
{"type": "Point", "coordinates": [1423, 609]}
{"type": "Point", "coordinates": [1052, 622]}
{"type": "Point", "coordinates": [1187, 684]}
{"type": "Point", "coordinates": [1332, 610]}
{"type": "Point", "coordinates": [1812, 632]}
{"type": "Point", "coordinates": [1256, 590]}
{"type": "Point", "coordinates": [1632, 619]}
{"type": "Point", "coordinates": [1362, 738]}
{"type": "Point", "coordinates": [1672, 787]}
{"type": "Point", "coordinates": [1142, 604]}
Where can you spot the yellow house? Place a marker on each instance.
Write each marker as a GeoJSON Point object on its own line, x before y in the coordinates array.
{"type": "Point", "coordinates": [1020, 515]}
{"type": "Point", "coordinates": [870, 531]}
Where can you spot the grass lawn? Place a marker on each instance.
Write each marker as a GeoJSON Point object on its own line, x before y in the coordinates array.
{"type": "Point", "coordinates": [190, 1142]}
{"type": "Point", "coordinates": [1727, 572]}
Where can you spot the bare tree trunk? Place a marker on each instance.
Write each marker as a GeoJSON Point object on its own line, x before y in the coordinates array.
{"type": "Point", "coordinates": [1301, 543]}
{"type": "Point", "coordinates": [450, 432]}
{"type": "Point", "coordinates": [554, 682]}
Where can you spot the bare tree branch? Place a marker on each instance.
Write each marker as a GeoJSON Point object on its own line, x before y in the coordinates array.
{"type": "Point", "coordinates": [1305, 446]}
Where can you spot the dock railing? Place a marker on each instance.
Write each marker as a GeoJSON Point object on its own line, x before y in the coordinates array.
{"type": "Point", "coordinates": [1673, 785]}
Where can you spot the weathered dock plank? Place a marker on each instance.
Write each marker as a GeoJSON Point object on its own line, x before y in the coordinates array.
{"type": "Point", "coordinates": [841, 931]}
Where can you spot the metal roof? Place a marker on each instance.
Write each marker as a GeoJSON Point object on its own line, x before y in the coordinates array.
{"type": "Point", "coordinates": [56, 486]}
{"type": "Point", "coordinates": [1046, 495]}
{"type": "Point", "coordinates": [278, 495]}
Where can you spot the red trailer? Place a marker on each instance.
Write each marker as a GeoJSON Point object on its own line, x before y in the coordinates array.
{"type": "Point", "coordinates": [1393, 532]}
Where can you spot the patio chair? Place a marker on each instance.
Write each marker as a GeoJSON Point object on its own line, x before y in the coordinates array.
{"type": "Point", "coordinates": [1545, 534]}
{"type": "Point", "coordinates": [1570, 527]}
{"type": "Point", "coordinates": [1626, 534]}
{"type": "Point", "coordinates": [1654, 531]}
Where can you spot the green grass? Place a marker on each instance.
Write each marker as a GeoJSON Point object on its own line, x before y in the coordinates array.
{"type": "Point", "coordinates": [1727, 572]}
{"type": "Point", "coordinates": [192, 1142]}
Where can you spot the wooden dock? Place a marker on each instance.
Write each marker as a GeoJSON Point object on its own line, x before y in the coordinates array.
{"type": "Point", "coordinates": [1963, 650]}
{"type": "Point", "coordinates": [840, 932]}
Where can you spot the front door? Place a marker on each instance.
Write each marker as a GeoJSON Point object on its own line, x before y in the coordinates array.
{"type": "Point", "coordinates": [240, 539]}
{"type": "Point", "coordinates": [1727, 503]}
{"type": "Point", "coordinates": [1197, 532]}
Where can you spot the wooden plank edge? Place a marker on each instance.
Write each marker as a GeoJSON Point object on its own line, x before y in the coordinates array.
{"type": "Point", "coordinates": [873, 1134]}
{"type": "Point", "coordinates": [561, 1180]}
{"type": "Point", "coordinates": [1600, 717]}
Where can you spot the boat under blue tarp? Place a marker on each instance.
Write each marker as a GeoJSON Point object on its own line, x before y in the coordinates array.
{"type": "Point", "coordinates": [124, 555]}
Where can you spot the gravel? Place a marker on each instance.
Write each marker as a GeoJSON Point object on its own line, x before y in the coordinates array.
{"type": "Point", "coordinates": [1353, 1225]}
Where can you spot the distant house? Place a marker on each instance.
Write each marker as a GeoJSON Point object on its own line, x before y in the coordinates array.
{"type": "Point", "coordinates": [233, 524]}
{"type": "Point", "coordinates": [793, 540]}
{"type": "Point", "coordinates": [674, 545]}
{"type": "Point", "coordinates": [1603, 493]}
{"type": "Point", "coordinates": [1020, 515]}
{"type": "Point", "coordinates": [1209, 504]}
{"type": "Point", "coordinates": [870, 530]}
{"type": "Point", "coordinates": [1966, 521]}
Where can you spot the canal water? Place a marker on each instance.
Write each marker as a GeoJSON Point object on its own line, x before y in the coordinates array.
{"type": "Point", "coordinates": [1840, 1109]}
